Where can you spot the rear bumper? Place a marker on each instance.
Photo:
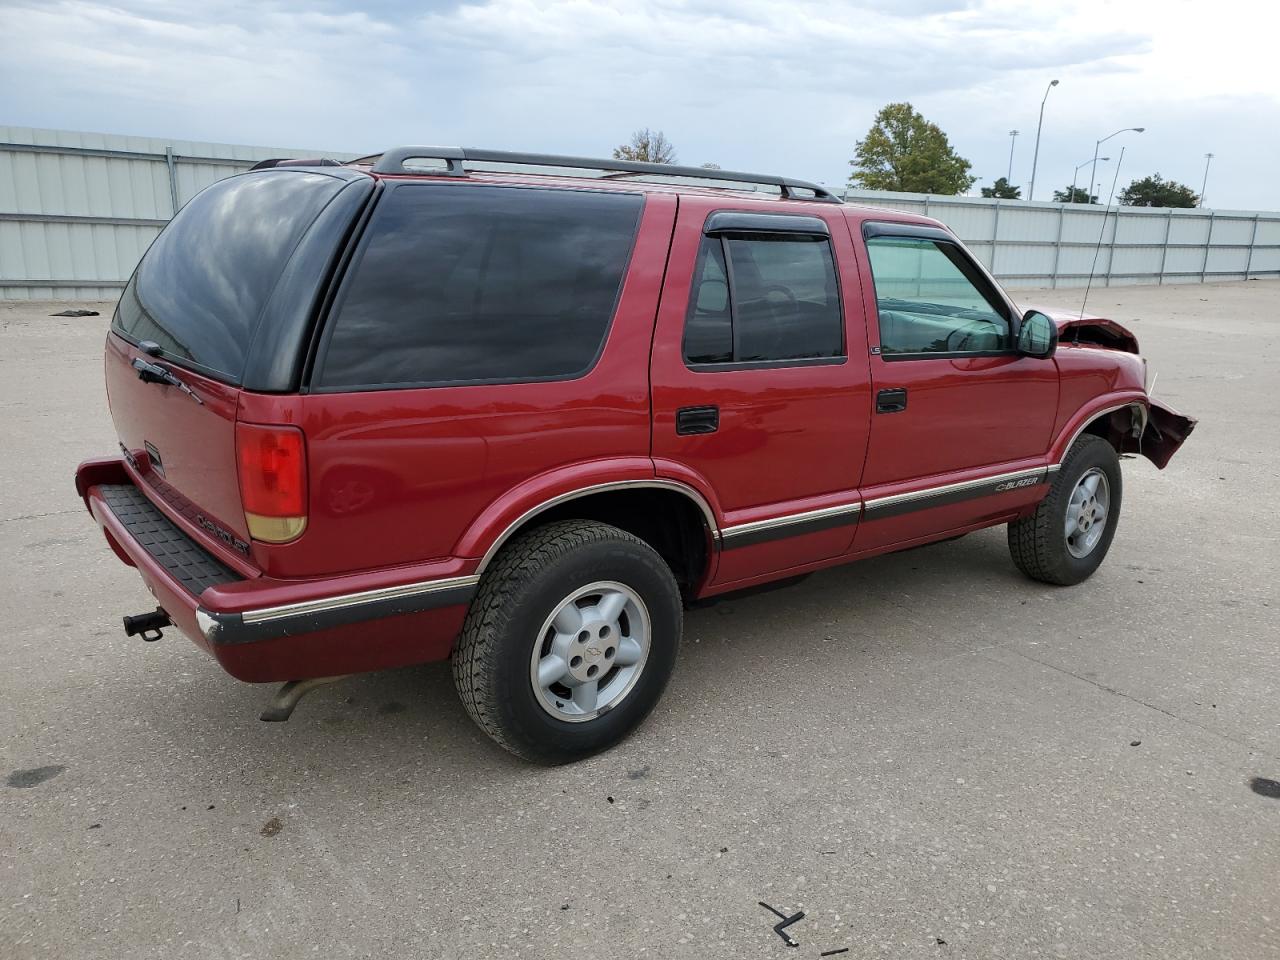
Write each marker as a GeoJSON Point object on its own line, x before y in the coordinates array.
{"type": "Point", "coordinates": [326, 613]}
{"type": "Point", "coordinates": [263, 629]}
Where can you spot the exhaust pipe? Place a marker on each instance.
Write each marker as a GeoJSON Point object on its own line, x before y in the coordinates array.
{"type": "Point", "coordinates": [286, 698]}
{"type": "Point", "coordinates": [148, 625]}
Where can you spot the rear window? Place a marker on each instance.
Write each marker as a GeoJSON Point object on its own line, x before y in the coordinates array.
{"type": "Point", "coordinates": [463, 284]}
{"type": "Point", "coordinates": [200, 289]}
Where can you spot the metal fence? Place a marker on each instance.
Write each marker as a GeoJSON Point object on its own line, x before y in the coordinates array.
{"type": "Point", "coordinates": [1026, 244]}
{"type": "Point", "coordinates": [77, 210]}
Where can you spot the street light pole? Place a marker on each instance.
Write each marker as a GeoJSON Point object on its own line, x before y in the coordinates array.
{"type": "Point", "coordinates": [1205, 182]}
{"type": "Point", "coordinates": [1013, 139]}
{"type": "Point", "coordinates": [1093, 173]}
{"type": "Point", "coordinates": [1035, 156]}
{"type": "Point", "coordinates": [1071, 197]}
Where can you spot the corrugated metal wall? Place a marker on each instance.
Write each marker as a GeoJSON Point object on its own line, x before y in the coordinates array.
{"type": "Point", "coordinates": [77, 210]}
{"type": "Point", "coordinates": [1028, 244]}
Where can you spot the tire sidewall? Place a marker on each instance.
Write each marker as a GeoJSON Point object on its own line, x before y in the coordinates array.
{"type": "Point", "coordinates": [1084, 457]}
{"type": "Point", "coordinates": [627, 562]}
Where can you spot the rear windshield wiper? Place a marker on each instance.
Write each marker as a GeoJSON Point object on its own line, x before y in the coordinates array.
{"type": "Point", "coordinates": [154, 373]}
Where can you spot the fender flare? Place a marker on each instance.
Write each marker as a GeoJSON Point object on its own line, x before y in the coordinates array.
{"type": "Point", "coordinates": [505, 516]}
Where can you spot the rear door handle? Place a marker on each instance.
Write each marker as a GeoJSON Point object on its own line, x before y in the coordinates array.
{"type": "Point", "coordinates": [694, 420]}
{"type": "Point", "coordinates": [891, 401]}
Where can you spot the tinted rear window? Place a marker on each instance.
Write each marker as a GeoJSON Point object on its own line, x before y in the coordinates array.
{"type": "Point", "coordinates": [201, 287]}
{"type": "Point", "coordinates": [466, 284]}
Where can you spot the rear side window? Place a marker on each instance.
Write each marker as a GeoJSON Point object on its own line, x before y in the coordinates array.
{"type": "Point", "coordinates": [200, 290]}
{"type": "Point", "coordinates": [467, 284]}
{"type": "Point", "coordinates": [763, 298]}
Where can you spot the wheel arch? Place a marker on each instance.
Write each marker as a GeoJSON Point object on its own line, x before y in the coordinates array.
{"type": "Point", "coordinates": [1119, 422]}
{"type": "Point", "coordinates": [672, 517]}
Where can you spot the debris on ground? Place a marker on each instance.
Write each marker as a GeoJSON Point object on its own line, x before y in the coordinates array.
{"type": "Point", "coordinates": [75, 313]}
{"type": "Point", "coordinates": [780, 928]}
{"type": "Point", "coordinates": [1265, 787]}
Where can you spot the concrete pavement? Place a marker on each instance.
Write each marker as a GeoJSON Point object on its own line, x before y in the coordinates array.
{"type": "Point", "coordinates": [928, 754]}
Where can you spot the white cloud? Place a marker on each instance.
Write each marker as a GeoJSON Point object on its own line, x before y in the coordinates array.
{"type": "Point", "coordinates": [761, 84]}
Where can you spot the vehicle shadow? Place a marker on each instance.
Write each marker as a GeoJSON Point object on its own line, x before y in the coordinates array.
{"type": "Point", "coordinates": [393, 725]}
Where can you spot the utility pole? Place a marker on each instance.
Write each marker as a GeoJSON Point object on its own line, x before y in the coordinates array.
{"type": "Point", "coordinates": [1094, 172]}
{"type": "Point", "coordinates": [1013, 139]}
{"type": "Point", "coordinates": [1205, 182]}
{"type": "Point", "coordinates": [1035, 157]}
{"type": "Point", "coordinates": [1076, 175]}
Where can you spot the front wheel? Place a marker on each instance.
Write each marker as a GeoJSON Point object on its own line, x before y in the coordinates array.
{"type": "Point", "coordinates": [569, 642]}
{"type": "Point", "coordinates": [1068, 536]}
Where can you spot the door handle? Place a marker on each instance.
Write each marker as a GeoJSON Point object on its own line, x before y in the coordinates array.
{"type": "Point", "coordinates": [891, 401]}
{"type": "Point", "coordinates": [695, 420]}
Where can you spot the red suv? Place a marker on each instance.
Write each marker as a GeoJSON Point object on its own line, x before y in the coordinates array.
{"type": "Point", "coordinates": [519, 410]}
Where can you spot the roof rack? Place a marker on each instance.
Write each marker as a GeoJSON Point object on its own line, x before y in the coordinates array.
{"type": "Point", "coordinates": [293, 162]}
{"type": "Point", "coordinates": [393, 161]}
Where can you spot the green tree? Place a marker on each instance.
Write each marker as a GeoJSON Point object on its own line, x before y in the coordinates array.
{"type": "Point", "coordinates": [1002, 189]}
{"type": "Point", "coordinates": [1155, 191]}
{"type": "Point", "coordinates": [646, 146]}
{"type": "Point", "coordinates": [904, 152]}
{"type": "Point", "coordinates": [1074, 195]}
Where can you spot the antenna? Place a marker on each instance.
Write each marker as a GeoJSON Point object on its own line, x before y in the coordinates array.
{"type": "Point", "coordinates": [1101, 233]}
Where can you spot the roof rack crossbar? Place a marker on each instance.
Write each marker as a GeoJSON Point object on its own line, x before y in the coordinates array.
{"type": "Point", "coordinates": [393, 161]}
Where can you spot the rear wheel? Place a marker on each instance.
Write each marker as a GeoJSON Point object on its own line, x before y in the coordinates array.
{"type": "Point", "coordinates": [569, 642]}
{"type": "Point", "coordinates": [1068, 536]}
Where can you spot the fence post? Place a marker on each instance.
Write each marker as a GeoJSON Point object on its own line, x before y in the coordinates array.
{"type": "Point", "coordinates": [1111, 248]}
{"type": "Point", "coordinates": [995, 233]}
{"type": "Point", "coordinates": [1208, 240]}
{"type": "Point", "coordinates": [1057, 246]}
{"type": "Point", "coordinates": [1253, 239]}
{"type": "Point", "coordinates": [1164, 248]}
{"type": "Point", "coordinates": [173, 179]}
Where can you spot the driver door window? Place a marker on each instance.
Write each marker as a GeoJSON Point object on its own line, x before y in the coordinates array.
{"type": "Point", "coordinates": [932, 301]}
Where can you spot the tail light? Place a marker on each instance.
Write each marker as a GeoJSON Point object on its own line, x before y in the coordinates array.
{"type": "Point", "coordinates": [272, 463]}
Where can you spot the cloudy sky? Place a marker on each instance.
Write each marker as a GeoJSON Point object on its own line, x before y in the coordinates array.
{"type": "Point", "coordinates": [784, 86]}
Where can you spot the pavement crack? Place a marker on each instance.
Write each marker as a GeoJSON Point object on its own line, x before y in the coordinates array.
{"type": "Point", "coordinates": [1251, 747]}
{"type": "Point", "coordinates": [38, 516]}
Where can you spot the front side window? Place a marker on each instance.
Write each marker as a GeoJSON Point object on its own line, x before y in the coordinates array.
{"type": "Point", "coordinates": [932, 300]}
{"type": "Point", "coordinates": [761, 297]}
{"type": "Point", "coordinates": [479, 284]}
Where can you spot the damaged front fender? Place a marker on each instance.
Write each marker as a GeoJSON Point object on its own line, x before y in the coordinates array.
{"type": "Point", "coordinates": [1165, 432]}
{"type": "Point", "coordinates": [1080, 328]}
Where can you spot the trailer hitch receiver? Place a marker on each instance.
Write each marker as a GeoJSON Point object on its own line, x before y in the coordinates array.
{"type": "Point", "coordinates": [149, 626]}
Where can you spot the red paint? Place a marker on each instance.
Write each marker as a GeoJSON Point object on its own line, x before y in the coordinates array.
{"type": "Point", "coordinates": [392, 642]}
{"type": "Point", "coordinates": [790, 438]}
{"type": "Point", "coordinates": [406, 486]}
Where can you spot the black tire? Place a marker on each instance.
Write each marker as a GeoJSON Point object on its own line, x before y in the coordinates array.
{"type": "Point", "coordinates": [1038, 542]}
{"type": "Point", "coordinates": [519, 591]}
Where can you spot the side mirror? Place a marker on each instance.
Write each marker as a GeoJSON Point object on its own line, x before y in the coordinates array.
{"type": "Point", "coordinates": [1037, 336]}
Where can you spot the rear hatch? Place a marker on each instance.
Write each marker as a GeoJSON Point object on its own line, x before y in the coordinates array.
{"type": "Point", "coordinates": [221, 303]}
